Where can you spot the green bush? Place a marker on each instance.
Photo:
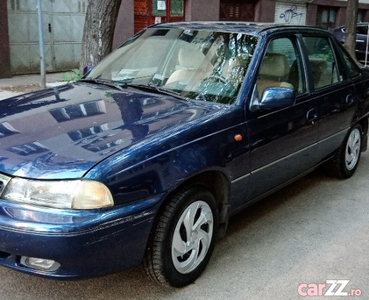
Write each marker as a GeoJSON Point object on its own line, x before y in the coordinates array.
{"type": "Point", "coordinates": [72, 76]}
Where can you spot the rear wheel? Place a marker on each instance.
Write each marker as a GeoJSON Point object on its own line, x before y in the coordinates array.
{"type": "Point", "coordinates": [347, 158]}
{"type": "Point", "coordinates": [184, 238]}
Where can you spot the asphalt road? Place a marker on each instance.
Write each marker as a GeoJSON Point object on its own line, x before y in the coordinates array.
{"type": "Point", "coordinates": [293, 241]}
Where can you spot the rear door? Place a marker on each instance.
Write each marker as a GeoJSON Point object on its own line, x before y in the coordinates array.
{"type": "Point", "coordinates": [334, 92]}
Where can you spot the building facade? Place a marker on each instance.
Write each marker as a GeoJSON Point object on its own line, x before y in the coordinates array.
{"type": "Point", "coordinates": [63, 23]}
{"type": "Point", "coordinates": [64, 19]}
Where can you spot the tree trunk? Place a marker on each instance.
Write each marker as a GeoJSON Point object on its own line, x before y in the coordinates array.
{"type": "Point", "coordinates": [351, 20]}
{"type": "Point", "coordinates": [98, 32]}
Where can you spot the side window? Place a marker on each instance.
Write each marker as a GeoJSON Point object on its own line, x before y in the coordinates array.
{"type": "Point", "coordinates": [362, 30]}
{"type": "Point", "coordinates": [322, 62]}
{"type": "Point", "coordinates": [353, 68]}
{"type": "Point", "coordinates": [281, 67]}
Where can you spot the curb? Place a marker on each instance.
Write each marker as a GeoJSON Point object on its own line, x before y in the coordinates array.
{"type": "Point", "coordinates": [7, 94]}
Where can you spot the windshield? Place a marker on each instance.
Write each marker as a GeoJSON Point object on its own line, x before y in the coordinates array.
{"type": "Point", "coordinates": [202, 65]}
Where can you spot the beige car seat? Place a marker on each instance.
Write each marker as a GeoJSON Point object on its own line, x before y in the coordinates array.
{"type": "Point", "coordinates": [274, 72]}
{"type": "Point", "coordinates": [192, 67]}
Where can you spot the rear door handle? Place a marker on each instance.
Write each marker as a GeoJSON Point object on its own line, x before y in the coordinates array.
{"type": "Point", "coordinates": [312, 116]}
{"type": "Point", "coordinates": [349, 99]}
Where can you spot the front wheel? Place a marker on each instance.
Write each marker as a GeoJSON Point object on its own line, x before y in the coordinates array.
{"type": "Point", "coordinates": [347, 158]}
{"type": "Point", "coordinates": [184, 238]}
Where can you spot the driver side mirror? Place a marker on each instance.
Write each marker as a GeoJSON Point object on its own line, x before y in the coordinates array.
{"type": "Point", "coordinates": [273, 98]}
{"type": "Point", "coordinates": [86, 70]}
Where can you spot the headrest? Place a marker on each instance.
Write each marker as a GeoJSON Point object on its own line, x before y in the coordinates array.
{"type": "Point", "coordinates": [190, 58]}
{"type": "Point", "coordinates": [320, 64]}
{"type": "Point", "coordinates": [274, 64]}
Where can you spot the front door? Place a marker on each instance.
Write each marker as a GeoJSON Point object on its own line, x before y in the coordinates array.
{"type": "Point", "coordinates": [283, 141]}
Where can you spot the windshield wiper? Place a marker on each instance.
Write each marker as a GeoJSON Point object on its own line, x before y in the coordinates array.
{"type": "Point", "coordinates": [121, 85]}
{"type": "Point", "coordinates": [117, 85]}
{"type": "Point", "coordinates": [160, 90]}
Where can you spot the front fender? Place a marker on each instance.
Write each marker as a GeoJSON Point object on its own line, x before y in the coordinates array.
{"type": "Point", "coordinates": [164, 172]}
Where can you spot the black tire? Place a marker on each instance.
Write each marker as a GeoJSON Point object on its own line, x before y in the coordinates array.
{"type": "Point", "coordinates": [162, 262]}
{"type": "Point", "coordinates": [347, 158]}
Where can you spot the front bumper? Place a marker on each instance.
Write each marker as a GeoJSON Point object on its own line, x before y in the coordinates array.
{"type": "Point", "coordinates": [84, 243]}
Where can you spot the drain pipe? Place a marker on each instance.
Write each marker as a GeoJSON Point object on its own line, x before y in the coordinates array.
{"type": "Point", "coordinates": [42, 44]}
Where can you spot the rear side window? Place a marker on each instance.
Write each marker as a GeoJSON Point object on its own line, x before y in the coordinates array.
{"type": "Point", "coordinates": [322, 60]}
{"type": "Point", "coordinates": [352, 67]}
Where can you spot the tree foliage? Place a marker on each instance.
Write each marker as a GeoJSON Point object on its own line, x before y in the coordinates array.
{"type": "Point", "coordinates": [98, 32]}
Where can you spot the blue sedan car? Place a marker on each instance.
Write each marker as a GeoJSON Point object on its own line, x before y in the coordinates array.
{"type": "Point", "coordinates": [145, 159]}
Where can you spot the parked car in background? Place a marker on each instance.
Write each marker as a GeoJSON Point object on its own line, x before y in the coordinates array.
{"type": "Point", "coordinates": [145, 159]}
{"type": "Point", "coordinates": [361, 48]}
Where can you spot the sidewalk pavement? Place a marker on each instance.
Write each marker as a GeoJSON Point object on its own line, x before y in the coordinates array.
{"type": "Point", "coordinates": [52, 79]}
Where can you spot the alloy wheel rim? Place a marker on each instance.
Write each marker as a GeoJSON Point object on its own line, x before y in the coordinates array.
{"type": "Point", "coordinates": [192, 237]}
{"type": "Point", "coordinates": [353, 149]}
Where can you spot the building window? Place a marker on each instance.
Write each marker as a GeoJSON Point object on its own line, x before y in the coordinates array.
{"type": "Point", "coordinates": [28, 149]}
{"type": "Point", "coordinates": [326, 17]}
{"type": "Point", "coordinates": [87, 132]}
{"type": "Point", "coordinates": [360, 15]}
{"type": "Point", "coordinates": [14, 5]}
{"type": "Point", "coordinates": [176, 8]}
{"type": "Point", "coordinates": [82, 6]}
{"type": "Point", "coordinates": [159, 8]}
{"type": "Point", "coordinates": [235, 10]}
{"type": "Point", "coordinates": [77, 111]}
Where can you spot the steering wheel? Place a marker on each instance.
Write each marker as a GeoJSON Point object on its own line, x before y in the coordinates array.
{"type": "Point", "coordinates": [227, 84]}
{"type": "Point", "coordinates": [215, 78]}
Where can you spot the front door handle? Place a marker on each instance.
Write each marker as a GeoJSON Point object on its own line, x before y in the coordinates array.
{"type": "Point", "coordinates": [312, 116]}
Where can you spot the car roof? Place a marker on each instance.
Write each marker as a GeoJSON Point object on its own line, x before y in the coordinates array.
{"type": "Point", "coordinates": [241, 27]}
{"type": "Point", "coordinates": [358, 24]}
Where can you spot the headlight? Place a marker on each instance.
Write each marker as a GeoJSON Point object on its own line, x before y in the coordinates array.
{"type": "Point", "coordinates": [72, 194]}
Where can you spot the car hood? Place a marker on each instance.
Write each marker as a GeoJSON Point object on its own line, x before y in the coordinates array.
{"type": "Point", "coordinates": [65, 131]}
